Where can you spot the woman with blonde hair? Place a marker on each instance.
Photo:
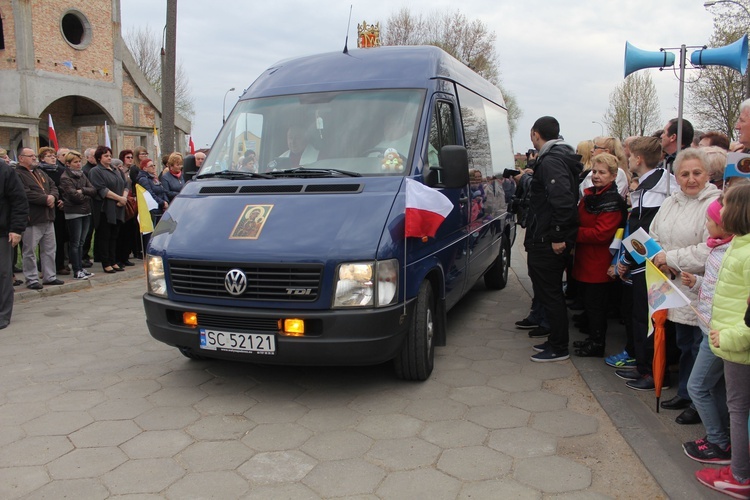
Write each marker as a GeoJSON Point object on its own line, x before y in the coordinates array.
{"type": "Point", "coordinates": [614, 147]}
{"type": "Point", "coordinates": [585, 148]}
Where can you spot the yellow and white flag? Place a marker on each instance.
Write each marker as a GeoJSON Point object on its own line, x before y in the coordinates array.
{"type": "Point", "coordinates": [157, 160]}
{"type": "Point", "coordinates": [662, 293]}
{"type": "Point", "coordinates": [146, 203]}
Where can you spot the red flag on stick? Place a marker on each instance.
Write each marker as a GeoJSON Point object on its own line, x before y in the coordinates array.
{"type": "Point", "coordinates": [192, 145]}
{"type": "Point", "coordinates": [52, 134]}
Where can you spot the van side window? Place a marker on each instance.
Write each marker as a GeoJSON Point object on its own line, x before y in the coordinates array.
{"type": "Point", "coordinates": [476, 135]}
{"type": "Point", "coordinates": [442, 131]}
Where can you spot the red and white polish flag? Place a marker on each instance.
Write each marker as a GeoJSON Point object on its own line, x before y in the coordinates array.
{"type": "Point", "coordinates": [426, 209]}
{"type": "Point", "coordinates": [51, 133]}
{"type": "Point", "coordinates": [192, 145]}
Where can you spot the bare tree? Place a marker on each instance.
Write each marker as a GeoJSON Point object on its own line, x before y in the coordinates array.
{"type": "Point", "coordinates": [471, 42]}
{"type": "Point", "coordinates": [715, 97]}
{"type": "Point", "coordinates": [633, 107]}
{"type": "Point", "coordinates": [145, 46]}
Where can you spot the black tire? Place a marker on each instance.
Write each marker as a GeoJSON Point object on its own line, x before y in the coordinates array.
{"type": "Point", "coordinates": [417, 357]}
{"type": "Point", "coordinates": [190, 354]}
{"type": "Point", "coordinates": [496, 276]}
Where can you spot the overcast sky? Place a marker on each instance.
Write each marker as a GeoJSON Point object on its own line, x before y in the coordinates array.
{"type": "Point", "coordinates": [559, 58]}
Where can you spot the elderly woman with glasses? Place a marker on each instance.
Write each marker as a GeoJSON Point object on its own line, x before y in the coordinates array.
{"type": "Point", "coordinates": [614, 147]}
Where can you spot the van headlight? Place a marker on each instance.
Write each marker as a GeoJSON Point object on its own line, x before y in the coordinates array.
{"type": "Point", "coordinates": [366, 284]}
{"type": "Point", "coordinates": [157, 282]}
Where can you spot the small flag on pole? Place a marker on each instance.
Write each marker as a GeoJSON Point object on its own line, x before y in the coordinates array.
{"type": "Point", "coordinates": [738, 165]}
{"type": "Point", "coordinates": [662, 293]}
{"type": "Point", "coordinates": [51, 132]}
{"type": "Point", "coordinates": [146, 203]}
{"type": "Point", "coordinates": [641, 246]}
{"type": "Point", "coordinates": [156, 144]}
{"type": "Point", "coordinates": [107, 141]}
{"type": "Point", "coordinates": [192, 145]}
{"type": "Point", "coordinates": [426, 209]}
{"type": "Point", "coordinates": [614, 247]}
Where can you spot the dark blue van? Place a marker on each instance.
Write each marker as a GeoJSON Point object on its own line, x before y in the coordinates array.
{"type": "Point", "coordinates": [288, 247]}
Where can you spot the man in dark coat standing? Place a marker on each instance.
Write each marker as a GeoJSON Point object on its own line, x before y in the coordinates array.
{"type": "Point", "coordinates": [14, 214]}
{"type": "Point", "coordinates": [551, 230]}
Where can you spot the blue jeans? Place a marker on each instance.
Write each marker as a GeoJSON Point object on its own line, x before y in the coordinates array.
{"type": "Point", "coordinates": [688, 340]}
{"type": "Point", "coordinates": [708, 392]}
{"type": "Point", "coordinates": [77, 230]}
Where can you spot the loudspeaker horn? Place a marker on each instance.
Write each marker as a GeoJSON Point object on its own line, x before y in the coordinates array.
{"type": "Point", "coordinates": [636, 58]}
{"type": "Point", "coordinates": [733, 56]}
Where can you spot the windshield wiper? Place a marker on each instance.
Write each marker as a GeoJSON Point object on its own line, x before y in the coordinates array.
{"type": "Point", "coordinates": [311, 172]}
{"type": "Point", "coordinates": [232, 174]}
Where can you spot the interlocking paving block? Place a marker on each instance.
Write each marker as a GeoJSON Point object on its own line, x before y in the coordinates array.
{"type": "Point", "coordinates": [225, 404]}
{"type": "Point", "coordinates": [344, 478]}
{"type": "Point", "coordinates": [445, 361]}
{"type": "Point", "coordinates": [378, 403]}
{"type": "Point", "coordinates": [86, 463]}
{"type": "Point", "coordinates": [15, 482]}
{"type": "Point", "coordinates": [478, 395]}
{"type": "Point", "coordinates": [537, 401]}
{"type": "Point", "coordinates": [59, 423]}
{"type": "Point", "coordinates": [547, 371]}
{"type": "Point", "coordinates": [515, 383]}
{"type": "Point", "coordinates": [429, 389]}
{"type": "Point", "coordinates": [176, 396]}
{"type": "Point", "coordinates": [431, 410]}
{"type": "Point", "coordinates": [420, 483]}
{"type": "Point", "coordinates": [157, 444]}
{"type": "Point", "coordinates": [454, 433]}
{"type": "Point", "coordinates": [400, 454]}
{"type": "Point", "coordinates": [105, 433]}
{"type": "Point", "coordinates": [464, 377]}
{"type": "Point", "coordinates": [120, 409]}
{"type": "Point", "coordinates": [496, 367]}
{"type": "Point", "coordinates": [11, 433]}
{"type": "Point", "coordinates": [154, 475]}
{"type": "Point", "coordinates": [337, 445]}
{"type": "Point", "coordinates": [34, 393]}
{"type": "Point", "coordinates": [76, 400]}
{"type": "Point", "coordinates": [389, 426]}
{"type": "Point", "coordinates": [220, 427]}
{"type": "Point", "coordinates": [277, 437]}
{"type": "Point", "coordinates": [215, 484]}
{"type": "Point", "coordinates": [184, 378]}
{"type": "Point", "coordinates": [498, 416]}
{"type": "Point", "coordinates": [560, 475]}
{"type": "Point", "coordinates": [565, 423]}
{"type": "Point", "coordinates": [499, 488]}
{"type": "Point", "coordinates": [128, 389]}
{"type": "Point", "coordinates": [90, 489]}
{"type": "Point", "coordinates": [296, 491]}
{"type": "Point", "coordinates": [167, 418]}
{"type": "Point", "coordinates": [214, 455]}
{"type": "Point", "coordinates": [329, 419]}
{"type": "Point", "coordinates": [523, 442]}
{"type": "Point", "coordinates": [18, 413]}
{"type": "Point", "coordinates": [474, 463]}
{"type": "Point", "coordinates": [91, 381]}
{"type": "Point", "coordinates": [477, 352]}
{"type": "Point", "coordinates": [274, 412]}
{"type": "Point", "coordinates": [277, 467]}
{"type": "Point", "coordinates": [332, 397]}
{"type": "Point", "coordinates": [34, 450]}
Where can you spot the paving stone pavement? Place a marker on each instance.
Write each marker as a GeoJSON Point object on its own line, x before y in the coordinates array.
{"type": "Point", "coordinates": [92, 407]}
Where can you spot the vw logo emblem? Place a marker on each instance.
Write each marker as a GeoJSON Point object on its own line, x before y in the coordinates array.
{"type": "Point", "coordinates": [235, 282]}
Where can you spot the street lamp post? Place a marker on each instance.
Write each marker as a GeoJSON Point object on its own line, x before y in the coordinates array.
{"type": "Point", "coordinates": [711, 3]}
{"type": "Point", "coordinates": [224, 106]}
{"type": "Point", "coordinates": [598, 123]}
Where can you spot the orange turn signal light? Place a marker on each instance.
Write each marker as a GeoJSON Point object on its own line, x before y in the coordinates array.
{"type": "Point", "coordinates": [293, 327]}
{"type": "Point", "coordinates": [190, 318]}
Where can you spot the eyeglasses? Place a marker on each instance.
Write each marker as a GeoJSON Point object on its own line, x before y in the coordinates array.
{"type": "Point", "coordinates": [29, 156]}
{"type": "Point", "coordinates": [599, 147]}
{"type": "Point", "coordinates": [129, 156]}
{"type": "Point", "coordinates": [150, 165]}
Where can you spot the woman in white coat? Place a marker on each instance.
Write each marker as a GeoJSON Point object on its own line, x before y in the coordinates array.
{"type": "Point", "coordinates": [680, 228]}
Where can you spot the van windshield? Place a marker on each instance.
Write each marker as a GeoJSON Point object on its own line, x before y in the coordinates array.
{"type": "Point", "coordinates": [366, 132]}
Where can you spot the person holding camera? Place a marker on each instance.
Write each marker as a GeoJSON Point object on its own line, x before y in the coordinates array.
{"type": "Point", "coordinates": [551, 230]}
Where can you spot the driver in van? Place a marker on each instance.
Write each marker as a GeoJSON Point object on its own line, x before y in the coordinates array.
{"type": "Point", "coordinates": [300, 151]}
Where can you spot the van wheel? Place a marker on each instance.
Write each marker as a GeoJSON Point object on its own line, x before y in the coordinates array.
{"type": "Point", "coordinates": [496, 276]}
{"type": "Point", "coordinates": [417, 357]}
{"type": "Point", "coordinates": [189, 353]}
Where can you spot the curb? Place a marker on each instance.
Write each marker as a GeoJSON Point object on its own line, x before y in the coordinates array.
{"type": "Point", "coordinates": [23, 294]}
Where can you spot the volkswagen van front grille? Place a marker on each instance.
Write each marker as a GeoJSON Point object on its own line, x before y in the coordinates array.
{"type": "Point", "coordinates": [281, 283]}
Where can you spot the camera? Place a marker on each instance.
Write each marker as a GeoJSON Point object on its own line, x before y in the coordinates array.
{"type": "Point", "coordinates": [510, 172]}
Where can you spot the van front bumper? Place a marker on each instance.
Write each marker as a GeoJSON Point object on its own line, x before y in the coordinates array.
{"type": "Point", "coordinates": [336, 337]}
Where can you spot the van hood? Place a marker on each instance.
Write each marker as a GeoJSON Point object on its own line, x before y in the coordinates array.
{"type": "Point", "coordinates": [290, 220]}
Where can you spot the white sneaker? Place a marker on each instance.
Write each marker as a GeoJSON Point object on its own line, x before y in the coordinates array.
{"type": "Point", "coordinates": [80, 276]}
{"type": "Point", "coordinates": [87, 273]}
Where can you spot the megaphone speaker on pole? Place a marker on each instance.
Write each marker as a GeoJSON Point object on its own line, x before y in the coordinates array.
{"type": "Point", "coordinates": [636, 59]}
{"type": "Point", "coordinates": [733, 56]}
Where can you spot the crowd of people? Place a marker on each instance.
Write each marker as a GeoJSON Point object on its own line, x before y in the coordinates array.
{"type": "Point", "coordinates": [54, 204]}
{"type": "Point", "coordinates": [582, 202]}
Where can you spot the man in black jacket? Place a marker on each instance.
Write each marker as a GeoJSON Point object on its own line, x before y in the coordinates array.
{"type": "Point", "coordinates": [14, 213]}
{"type": "Point", "coordinates": [551, 230]}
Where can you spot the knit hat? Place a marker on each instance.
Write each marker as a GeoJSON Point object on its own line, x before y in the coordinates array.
{"type": "Point", "coordinates": [714, 211]}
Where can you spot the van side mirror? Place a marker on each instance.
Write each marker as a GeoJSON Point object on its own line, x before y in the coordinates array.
{"type": "Point", "coordinates": [453, 171]}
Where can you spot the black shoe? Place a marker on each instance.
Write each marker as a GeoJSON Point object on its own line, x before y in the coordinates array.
{"type": "Point", "coordinates": [577, 305]}
{"type": "Point", "coordinates": [109, 271]}
{"type": "Point", "coordinates": [646, 383]}
{"type": "Point", "coordinates": [549, 355]}
{"type": "Point", "coordinates": [580, 343]}
{"type": "Point", "coordinates": [17, 282]}
{"type": "Point", "coordinates": [64, 271]}
{"type": "Point", "coordinates": [628, 374]}
{"type": "Point", "coordinates": [591, 350]}
{"type": "Point", "coordinates": [87, 263]}
{"type": "Point", "coordinates": [17, 270]}
{"type": "Point", "coordinates": [541, 347]}
{"type": "Point", "coordinates": [117, 268]}
{"type": "Point", "coordinates": [539, 332]}
{"type": "Point", "coordinates": [126, 263]}
{"type": "Point", "coordinates": [579, 318]}
{"type": "Point", "coordinates": [34, 286]}
{"type": "Point", "coordinates": [688, 417]}
{"type": "Point", "coordinates": [525, 324]}
{"type": "Point", "coordinates": [54, 282]}
{"type": "Point", "coordinates": [676, 403]}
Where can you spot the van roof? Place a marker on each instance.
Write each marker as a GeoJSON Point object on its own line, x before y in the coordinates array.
{"type": "Point", "coordinates": [376, 68]}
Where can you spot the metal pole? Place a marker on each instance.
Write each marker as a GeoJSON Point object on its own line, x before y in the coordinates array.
{"type": "Point", "coordinates": [168, 81]}
{"type": "Point", "coordinates": [600, 125]}
{"type": "Point", "coordinates": [224, 106]}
